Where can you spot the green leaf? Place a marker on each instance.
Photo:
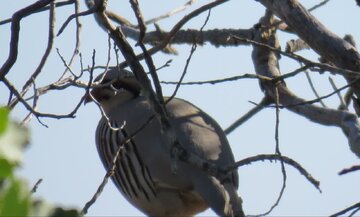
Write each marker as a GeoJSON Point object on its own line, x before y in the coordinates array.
{"type": "Point", "coordinates": [5, 169]}
{"type": "Point", "coordinates": [12, 142]}
{"type": "Point", "coordinates": [4, 119]}
{"type": "Point", "coordinates": [15, 198]}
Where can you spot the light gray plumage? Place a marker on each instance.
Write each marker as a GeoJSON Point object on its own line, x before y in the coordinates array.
{"type": "Point", "coordinates": [143, 170]}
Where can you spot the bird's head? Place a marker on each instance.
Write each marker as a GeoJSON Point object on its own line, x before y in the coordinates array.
{"type": "Point", "coordinates": [115, 87]}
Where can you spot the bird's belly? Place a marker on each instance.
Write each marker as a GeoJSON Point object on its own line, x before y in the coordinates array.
{"type": "Point", "coordinates": [170, 202]}
{"type": "Point", "coordinates": [141, 184]}
{"type": "Point", "coordinates": [149, 194]}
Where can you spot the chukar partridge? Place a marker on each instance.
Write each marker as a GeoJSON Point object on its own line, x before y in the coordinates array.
{"type": "Point", "coordinates": [143, 171]}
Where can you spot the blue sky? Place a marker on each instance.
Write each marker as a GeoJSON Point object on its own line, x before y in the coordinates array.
{"type": "Point", "coordinates": [64, 154]}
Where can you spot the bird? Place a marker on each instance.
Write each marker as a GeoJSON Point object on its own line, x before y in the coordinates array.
{"type": "Point", "coordinates": [143, 169]}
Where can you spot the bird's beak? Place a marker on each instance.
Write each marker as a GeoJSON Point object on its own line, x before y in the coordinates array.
{"type": "Point", "coordinates": [88, 97]}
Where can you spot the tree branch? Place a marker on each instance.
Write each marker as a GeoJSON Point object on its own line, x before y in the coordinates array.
{"type": "Point", "coordinates": [272, 157]}
{"type": "Point", "coordinates": [15, 30]}
{"type": "Point", "coordinates": [328, 45]}
{"type": "Point", "coordinates": [355, 207]}
{"type": "Point", "coordinates": [44, 58]}
{"type": "Point", "coordinates": [57, 4]}
{"type": "Point", "coordinates": [266, 64]}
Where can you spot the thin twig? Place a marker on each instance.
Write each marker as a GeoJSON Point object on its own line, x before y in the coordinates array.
{"type": "Point", "coordinates": [264, 102]}
{"type": "Point", "coordinates": [15, 31]}
{"type": "Point", "coordinates": [14, 91]}
{"type": "Point", "coordinates": [354, 211]}
{"type": "Point", "coordinates": [349, 170]}
{"type": "Point", "coordinates": [170, 36]}
{"type": "Point", "coordinates": [308, 102]}
{"type": "Point", "coordinates": [239, 77]}
{"type": "Point", "coordinates": [313, 89]}
{"type": "Point", "coordinates": [76, 15]}
{"type": "Point", "coordinates": [35, 187]}
{"type": "Point", "coordinates": [318, 5]}
{"type": "Point", "coordinates": [307, 62]}
{"type": "Point", "coordinates": [67, 66]}
{"type": "Point", "coordinates": [147, 56]}
{"type": "Point", "coordinates": [44, 58]}
{"type": "Point", "coordinates": [276, 157]}
{"type": "Point", "coordinates": [35, 100]}
{"type": "Point", "coordinates": [342, 212]}
{"type": "Point", "coordinates": [57, 4]}
{"type": "Point", "coordinates": [322, 97]}
{"type": "Point", "coordinates": [278, 152]}
{"type": "Point", "coordinates": [77, 39]}
{"type": "Point", "coordinates": [341, 99]}
{"type": "Point", "coordinates": [140, 19]}
{"type": "Point", "coordinates": [192, 51]}
{"type": "Point", "coordinates": [37, 114]}
{"type": "Point", "coordinates": [222, 80]}
{"type": "Point", "coordinates": [167, 64]}
{"type": "Point", "coordinates": [170, 13]}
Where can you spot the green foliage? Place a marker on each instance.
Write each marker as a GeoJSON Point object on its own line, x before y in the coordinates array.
{"type": "Point", "coordinates": [4, 113]}
{"type": "Point", "coordinates": [15, 198]}
{"type": "Point", "coordinates": [13, 140]}
{"type": "Point", "coordinates": [15, 194]}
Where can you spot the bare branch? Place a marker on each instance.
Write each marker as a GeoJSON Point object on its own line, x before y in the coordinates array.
{"type": "Point", "coordinates": [264, 102]}
{"type": "Point", "coordinates": [35, 100]}
{"type": "Point", "coordinates": [57, 4]}
{"type": "Point", "coordinates": [341, 99]}
{"type": "Point", "coordinates": [307, 62]}
{"type": "Point", "coordinates": [328, 45]}
{"type": "Point", "coordinates": [216, 37]}
{"type": "Point", "coordinates": [147, 56]}
{"type": "Point", "coordinates": [44, 58]}
{"type": "Point", "coordinates": [77, 39]}
{"type": "Point", "coordinates": [15, 30]}
{"type": "Point", "coordinates": [355, 207]}
{"type": "Point", "coordinates": [278, 152]}
{"type": "Point", "coordinates": [170, 13]}
{"type": "Point", "coordinates": [349, 170]}
{"type": "Point", "coordinates": [222, 80]}
{"type": "Point", "coordinates": [266, 63]}
{"type": "Point", "coordinates": [314, 90]}
{"type": "Point", "coordinates": [35, 187]}
{"type": "Point", "coordinates": [76, 15]}
{"type": "Point", "coordinates": [192, 51]}
{"type": "Point", "coordinates": [177, 27]}
{"type": "Point", "coordinates": [37, 114]}
{"type": "Point", "coordinates": [324, 2]}
{"type": "Point", "coordinates": [179, 83]}
{"type": "Point", "coordinates": [276, 157]}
